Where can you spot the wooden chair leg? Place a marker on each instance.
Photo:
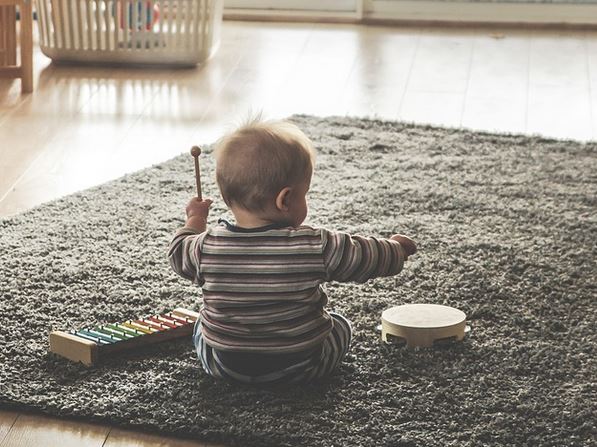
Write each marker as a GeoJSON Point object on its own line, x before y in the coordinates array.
{"type": "Point", "coordinates": [2, 36]}
{"type": "Point", "coordinates": [8, 42]}
{"type": "Point", "coordinates": [26, 47]}
{"type": "Point", "coordinates": [8, 54]}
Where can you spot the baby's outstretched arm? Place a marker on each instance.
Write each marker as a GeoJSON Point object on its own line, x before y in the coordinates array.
{"type": "Point", "coordinates": [357, 258]}
{"type": "Point", "coordinates": [184, 251]}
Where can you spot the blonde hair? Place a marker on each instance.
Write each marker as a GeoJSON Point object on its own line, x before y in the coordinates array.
{"type": "Point", "coordinates": [256, 161]}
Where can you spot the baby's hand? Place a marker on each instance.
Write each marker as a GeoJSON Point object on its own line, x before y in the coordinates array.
{"type": "Point", "coordinates": [407, 243]}
{"type": "Point", "coordinates": [198, 208]}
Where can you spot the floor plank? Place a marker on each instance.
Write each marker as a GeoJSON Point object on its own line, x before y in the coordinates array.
{"type": "Point", "coordinates": [125, 438]}
{"type": "Point", "coordinates": [32, 430]}
{"type": "Point", "coordinates": [442, 62]}
{"type": "Point", "coordinates": [496, 96]}
{"type": "Point", "coordinates": [7, 419]}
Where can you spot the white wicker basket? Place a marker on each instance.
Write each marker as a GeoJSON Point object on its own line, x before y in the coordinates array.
{"type": "Point", "coordinates": [172, 32]}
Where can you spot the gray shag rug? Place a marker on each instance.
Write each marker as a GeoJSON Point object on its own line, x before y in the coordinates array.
{"type": "Point", "coordinates": [507, 231]}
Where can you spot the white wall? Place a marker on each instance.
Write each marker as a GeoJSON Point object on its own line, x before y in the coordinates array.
{"type": "Point", "coordinates": [506, 11]}
{"type": "Point", "coordinates": [311, 5]}
{"type": "Point", "coordinates": [495, 11]}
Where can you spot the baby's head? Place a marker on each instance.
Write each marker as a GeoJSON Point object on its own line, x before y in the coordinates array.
{"type": "Point", "coordinates": [264, 169]}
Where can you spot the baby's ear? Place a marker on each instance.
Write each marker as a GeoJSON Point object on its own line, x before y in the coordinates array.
{"type": "Point", "coordinates": [283, 199]}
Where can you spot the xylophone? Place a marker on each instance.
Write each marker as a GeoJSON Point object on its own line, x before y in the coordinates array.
{"type": "Point", "coordinates": [91, 344]}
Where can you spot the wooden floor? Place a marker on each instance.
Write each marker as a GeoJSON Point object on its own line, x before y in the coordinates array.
{"type": "Point", "coordinates": [25, 430]}
{"type": "Point", "coordinates": [83, 126]}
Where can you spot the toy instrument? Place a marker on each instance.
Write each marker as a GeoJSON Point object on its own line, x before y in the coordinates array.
{"type": "Point", "coordinates": [422, 325]}
{"type": "Point", "coordinates": [92, 344]}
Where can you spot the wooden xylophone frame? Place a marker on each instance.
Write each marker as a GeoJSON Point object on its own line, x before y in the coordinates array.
{"type": "Point", "coordinates": [92, 344]}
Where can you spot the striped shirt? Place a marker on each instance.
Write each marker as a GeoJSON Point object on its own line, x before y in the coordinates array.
{"type": "Point", "coordinates": [262, 286]}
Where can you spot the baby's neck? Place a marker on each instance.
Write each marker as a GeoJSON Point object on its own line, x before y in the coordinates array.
{"type": "Point", "coordinates": [246, 219]}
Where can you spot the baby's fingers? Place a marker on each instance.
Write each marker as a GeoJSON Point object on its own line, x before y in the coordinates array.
{"type": "Point", "coordinates": [407, 243]}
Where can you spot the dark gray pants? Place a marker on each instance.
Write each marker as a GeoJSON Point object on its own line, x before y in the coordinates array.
{"type": "Point", "coordinates": [326, 360]}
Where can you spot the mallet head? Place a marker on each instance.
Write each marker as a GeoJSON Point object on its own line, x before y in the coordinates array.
{"type": "Point", "coordinates": [195, 151]}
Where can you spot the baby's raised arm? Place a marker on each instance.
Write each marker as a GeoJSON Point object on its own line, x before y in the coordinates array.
{"type": "Point", "coordinates": [357, 258]}
{"type": "Point", "coordinates": [197, 212]}
{"type": "Point", "coordinates": [184, 250]}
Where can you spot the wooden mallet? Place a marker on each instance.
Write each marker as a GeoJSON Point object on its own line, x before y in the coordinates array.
{"type": "Point", "coordinates": [195, 152]}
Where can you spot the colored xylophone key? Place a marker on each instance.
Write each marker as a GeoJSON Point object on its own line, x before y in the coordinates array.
{"type": "Point", "coordinates": [89, 345]}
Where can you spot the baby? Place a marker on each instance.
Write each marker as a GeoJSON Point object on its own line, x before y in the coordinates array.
{"type": "Point", "coordinates": [263, 319]}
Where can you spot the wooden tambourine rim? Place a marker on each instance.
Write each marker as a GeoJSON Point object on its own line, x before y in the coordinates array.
{"type": "Point", "coordinates": [456, 316]}
{"type": "Point", "coordinates": [424, 335]}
